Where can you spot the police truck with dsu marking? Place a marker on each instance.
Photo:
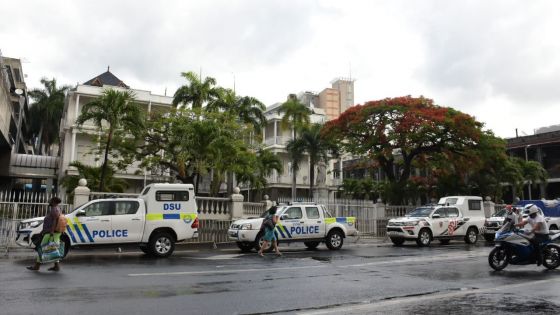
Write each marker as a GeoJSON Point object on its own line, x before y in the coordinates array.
{"type": "Point", "coordinates": [309, 223]}
{"type": "Point", "coordinates": [162, 215]}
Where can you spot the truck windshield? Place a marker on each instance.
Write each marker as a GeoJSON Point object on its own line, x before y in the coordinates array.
{"type": "Point", "coordinates": [500, 213]}
{"type": "Point", "coordinates": [420, 212]}
{"type": "Point", "coordinates": [276, 210]}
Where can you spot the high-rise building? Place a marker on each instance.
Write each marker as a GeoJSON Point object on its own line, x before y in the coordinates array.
{"type": "Point", "coordinates": [338, 98]}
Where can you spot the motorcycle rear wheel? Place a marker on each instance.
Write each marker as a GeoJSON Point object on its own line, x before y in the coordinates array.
{"type": "Point", "coordinates": [498, 258]}
{"type": "Point", "coordinates": [551, 257]}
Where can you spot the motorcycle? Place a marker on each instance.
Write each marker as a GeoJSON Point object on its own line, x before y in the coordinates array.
{"type": "Point", "coordinates": [513, 247]}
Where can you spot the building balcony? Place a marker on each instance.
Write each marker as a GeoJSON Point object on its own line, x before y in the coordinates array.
{"type": "Point", "coordinates": [282, 141]}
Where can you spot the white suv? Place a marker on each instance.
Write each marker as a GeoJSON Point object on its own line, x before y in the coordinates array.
{"type": "Point", "coordinates": [459, 217]}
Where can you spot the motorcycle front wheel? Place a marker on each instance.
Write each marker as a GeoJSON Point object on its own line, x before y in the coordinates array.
{"type": "Point", "coordinates": [551, 257]}
{"type": "Point", "coordinates": [498, 258]}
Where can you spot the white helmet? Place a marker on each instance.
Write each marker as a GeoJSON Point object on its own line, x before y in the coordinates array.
{"type": "Point", "coordinates": [531, 209]}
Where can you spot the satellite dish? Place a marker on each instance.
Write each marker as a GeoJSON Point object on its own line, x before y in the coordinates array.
{"type": "Point", "coordinates": [19, 91]}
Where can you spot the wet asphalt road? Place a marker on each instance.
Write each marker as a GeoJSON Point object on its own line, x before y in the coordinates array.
{"type": "Point", "coordinates": [359, 279]}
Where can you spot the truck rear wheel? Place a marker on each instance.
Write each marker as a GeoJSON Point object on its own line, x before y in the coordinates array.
{"type": "Point", "coordinates": [335, 240]}
{"type": "Point", "coordinates": [161, 244]}
{"type": "Point", "coordinates": [472, 236]}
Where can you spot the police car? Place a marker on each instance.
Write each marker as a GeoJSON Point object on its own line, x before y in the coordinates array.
{"type": "Point", "coordinates": [455, 217]}
{"type": "Point", "coordinates": [309, 223]}
{"type": "Point", "coordinates": [162, 215]}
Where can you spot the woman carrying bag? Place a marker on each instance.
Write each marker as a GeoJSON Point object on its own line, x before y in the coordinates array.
{"type": "Point", "coordinates": [53, 226]}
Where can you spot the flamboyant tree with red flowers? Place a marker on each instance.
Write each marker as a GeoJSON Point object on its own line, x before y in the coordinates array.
{"type": "Point", "coordinates": [396, 132]}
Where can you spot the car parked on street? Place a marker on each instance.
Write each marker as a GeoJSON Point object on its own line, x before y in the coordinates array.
{"type": "Point", "coordinates": [454, 217]}
{"type": "Point", "coordinates": [162, 215]}
{"type": "Point", "coordinates": [309, 223]}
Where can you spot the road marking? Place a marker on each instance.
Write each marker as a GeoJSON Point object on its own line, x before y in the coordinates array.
{"type": "Point", "coordinates": [368, 307]}
{"type": "Point", "coordinates": [219, 271]}
{"type": "Point", "coordinates": [384, 262]}
{"type": "Point", "coordinates": [219, 257]}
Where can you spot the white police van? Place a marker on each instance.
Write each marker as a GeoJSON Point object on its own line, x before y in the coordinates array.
{"type": "Point", "coordinates": [454, 217]}
{"type": "Point", "coordinates": [299, 222]}
{"type": "Point", "coordinates": [162, 215]}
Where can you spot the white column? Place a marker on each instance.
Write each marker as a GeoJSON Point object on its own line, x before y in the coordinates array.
{"type": "Point", "coordinates": [275, 132]}
{"type": "Point", "coordinates": [73, 151]}
{"type": "Point", "coordinates": [149, 107]}
{"type": "Point", "coordinates": [77, 108]}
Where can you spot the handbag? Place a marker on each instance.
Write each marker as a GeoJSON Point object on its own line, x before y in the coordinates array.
{"type": "Point", "coordinates": [51, 251]}
{"type": "Point", "coordinates": [60, 224]}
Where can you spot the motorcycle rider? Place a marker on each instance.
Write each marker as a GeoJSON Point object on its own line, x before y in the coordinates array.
{"type": "Point", "coordinates": [538, 227]}
{"type": "Point", "coordinates": [511, 215]}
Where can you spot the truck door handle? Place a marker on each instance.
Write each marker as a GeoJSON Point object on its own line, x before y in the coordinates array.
{"type": "Point", "coordinates": [301, 221]}
{"type": "Point", "coordinates": [318, 221]}
{"type": "Point", "coordinates": [104, 220]}
{"type": "Point", "coordinates": [136, 219]}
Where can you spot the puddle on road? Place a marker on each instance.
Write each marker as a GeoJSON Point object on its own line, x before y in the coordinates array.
{"type": "Point", "coordinates": [484, 304]}
{"type": "Point", "coordinates": [322, 259]}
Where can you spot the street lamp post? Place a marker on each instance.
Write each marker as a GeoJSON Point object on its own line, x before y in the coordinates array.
{"type": "Point", "coordinates": [526, 160]}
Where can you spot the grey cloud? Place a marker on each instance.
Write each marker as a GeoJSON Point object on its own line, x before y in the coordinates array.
{"type": "Point", "coordinates": [498, 48]}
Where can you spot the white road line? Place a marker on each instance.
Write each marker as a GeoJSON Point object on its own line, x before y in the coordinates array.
{"type": "Point", "coordinates": [384, 262]}
{"type": "Point", "coordinates": [219, 271]}
{"type": "Point", "coordinates": [368, 307]}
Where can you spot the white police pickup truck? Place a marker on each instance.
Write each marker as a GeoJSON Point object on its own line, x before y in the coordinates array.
{"type": "Point", "coordinates": [453, 217]}
{"type": "Point", "coordinates": [299, 222]}
{"type": "Point", "coordinates": [162, 215]}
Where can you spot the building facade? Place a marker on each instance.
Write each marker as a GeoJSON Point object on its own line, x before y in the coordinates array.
{"type": "Point", "coordinates": [82, 143]}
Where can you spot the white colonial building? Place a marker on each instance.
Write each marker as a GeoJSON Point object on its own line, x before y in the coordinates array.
{"type": "Point", "coordinates": [81, 144]}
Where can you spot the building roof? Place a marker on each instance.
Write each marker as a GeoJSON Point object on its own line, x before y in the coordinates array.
{"type": "Point", "coordinates": [106, 78]}
{"type": "Point", "coordinates": [538, 139]}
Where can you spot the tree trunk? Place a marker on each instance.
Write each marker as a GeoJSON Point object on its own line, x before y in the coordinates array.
{"type": "Point", "coordinates": [104, 167]}
{"type": "Point", "coordinates": [294, 189]}
{"type": "Point", "coordinates": [311, 178]}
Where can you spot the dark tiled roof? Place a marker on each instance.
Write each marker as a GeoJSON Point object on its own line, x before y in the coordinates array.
{"type": "Point", "coordinates": [538, 139]}
{"type": "Point", "coordinates": [106, 78]}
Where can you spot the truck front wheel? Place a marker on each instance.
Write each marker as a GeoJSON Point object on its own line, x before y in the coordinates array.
{"type": "Point", "coordinates": [245, 246]}
{"type": "Point", "coordinates": [161, 244]}
{"type": "Point", "coordinates": [335, 240]}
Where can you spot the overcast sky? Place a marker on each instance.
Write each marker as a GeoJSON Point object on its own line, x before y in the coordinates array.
{"type": "Point", "coordinates": [496, 60]}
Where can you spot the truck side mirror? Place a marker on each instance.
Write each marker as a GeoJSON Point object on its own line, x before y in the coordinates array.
{"type": "Point", "coordinates": [284, 217]}
{"type": "Point", "coordinates": [81, 213]}
{"type": "Point", "coordinates": [436, 216]}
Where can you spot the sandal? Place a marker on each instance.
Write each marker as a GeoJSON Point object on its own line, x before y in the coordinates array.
{"type": "Point", "coordinates": [261, 254]}
{"type": "Point", "coordinates": [32, 268]}
{"type": "Point", "coordinates": [54, 269]}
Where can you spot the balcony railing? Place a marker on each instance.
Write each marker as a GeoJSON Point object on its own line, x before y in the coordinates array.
{"type": "Point", "coordinates": [276, 141]}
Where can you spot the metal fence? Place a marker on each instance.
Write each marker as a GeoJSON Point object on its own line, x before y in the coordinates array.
{"type": "Point", "coordinates": [214, 231]}
{"type": "Point", "coordinates": [12, 213]}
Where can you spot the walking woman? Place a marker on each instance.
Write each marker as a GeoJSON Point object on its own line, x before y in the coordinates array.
{"type": "Point", "coordinates": [269, 223]}
{"type": "Point", "coordinates": [50, 232]}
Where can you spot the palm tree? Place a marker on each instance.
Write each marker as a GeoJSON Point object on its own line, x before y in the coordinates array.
{"type": "Point", "coordinates": [196, 92]}
{"type": "Point", "coordinates": [296, 116]}
{"type": "Point", "coordinates": [317, 148]}
{"type": "Point", "coordinates": [46, 112]}
{"type": "Point", "coordinates": [249, 109]}
{"type": "Point", "coordinates": [119, 112]}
